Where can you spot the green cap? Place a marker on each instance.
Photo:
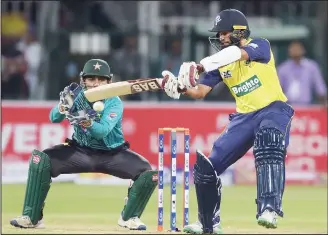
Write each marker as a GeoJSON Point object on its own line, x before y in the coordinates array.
{"type": "Point", "coordinates": [96, 67]}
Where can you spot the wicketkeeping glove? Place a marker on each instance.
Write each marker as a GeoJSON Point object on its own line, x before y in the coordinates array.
{"type": "Point", "coordinates": [67, 96]}
{"type": "Point", "coordinates": [83, 118]}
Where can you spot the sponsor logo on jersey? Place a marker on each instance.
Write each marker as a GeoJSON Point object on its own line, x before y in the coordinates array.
{"type": "Point", "coordinates": [247, 86]}
{"type": "Point", "coordinates": [112, 115]}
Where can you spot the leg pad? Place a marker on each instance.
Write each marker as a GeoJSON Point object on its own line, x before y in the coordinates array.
{"type": "Point", "coordinates": [38, 185]}
{"type": "Point", "coordinates": [139, 194]}
{"type": "Point", "coordinates": [269, 151]}
{"type": "Point", "coordinates": [206, 185]}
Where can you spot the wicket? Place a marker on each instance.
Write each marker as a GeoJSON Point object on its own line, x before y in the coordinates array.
{"type": "Point", "coordinates": [173, 144]}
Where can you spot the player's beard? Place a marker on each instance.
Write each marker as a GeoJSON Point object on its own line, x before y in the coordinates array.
{"type": "Point", "coordinates": [217, 44]}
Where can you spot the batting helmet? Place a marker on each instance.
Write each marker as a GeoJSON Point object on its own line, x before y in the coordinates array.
{"type": "Point", "coordinates": [229, 20]}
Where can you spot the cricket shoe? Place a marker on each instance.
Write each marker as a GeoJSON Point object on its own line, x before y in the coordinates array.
{"type": "Point", "coordinates": [197, 228]}
{"type": "Point", "coordinates": [133, 223]}
{"type": "Point", "coordinates": [268, 219]}
{"type": "Point", "coordinates": [25, 222]}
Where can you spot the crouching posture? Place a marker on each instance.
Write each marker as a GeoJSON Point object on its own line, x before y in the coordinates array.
{"type": "Point", "coordinates": [97, 145]}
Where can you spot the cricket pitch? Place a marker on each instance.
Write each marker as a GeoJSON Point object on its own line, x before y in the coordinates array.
{"type": "Point", "coordinates": [95, 209]}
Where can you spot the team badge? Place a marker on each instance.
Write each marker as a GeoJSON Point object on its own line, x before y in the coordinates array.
{"type": "Point", "coordinates": [226, 74]}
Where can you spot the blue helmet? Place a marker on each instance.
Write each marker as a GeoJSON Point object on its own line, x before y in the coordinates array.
{"type": "Point", "coordinates": [229, 20]}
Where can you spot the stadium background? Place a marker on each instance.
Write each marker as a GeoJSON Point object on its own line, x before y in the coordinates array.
{"type": "Point", "coordinates": [70, 33]}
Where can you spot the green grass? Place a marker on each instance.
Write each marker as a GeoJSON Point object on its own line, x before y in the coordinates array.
{"type": "Point", "coordinates": [84, 209]}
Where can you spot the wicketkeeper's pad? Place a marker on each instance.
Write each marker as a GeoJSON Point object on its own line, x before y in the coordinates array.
{"type": "Point", "coordinates": [139, 194]}
{"type": "Point", "coordinates": [38, 185]}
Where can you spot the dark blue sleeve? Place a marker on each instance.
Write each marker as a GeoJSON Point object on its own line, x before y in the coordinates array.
{"type": "Point", "coordinates": [211, 78]}
{"type": "Point", "coordinates": [258, 50]}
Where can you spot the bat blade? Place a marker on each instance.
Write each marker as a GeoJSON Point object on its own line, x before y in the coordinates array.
{"type": "Point", "coordinates": [123, 88]}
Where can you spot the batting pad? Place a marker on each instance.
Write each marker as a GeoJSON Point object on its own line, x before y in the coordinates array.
{"type": "Point", "coordinates": [269, 151]}
{"type": "Point", "coordinates": [206, 186]}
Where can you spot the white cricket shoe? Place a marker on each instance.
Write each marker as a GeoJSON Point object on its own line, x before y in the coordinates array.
{"type": "Point", "coordinates": [197, 228]}
{"type": "Point", "coordinates": [25, 222]}
{"type": "Point", "coordinates": [133, 223]}
{"type": "Point", "coordinates": [268, 219]}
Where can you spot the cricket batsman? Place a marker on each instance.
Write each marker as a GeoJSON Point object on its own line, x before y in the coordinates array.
{"type": "Point", "coordinates": [262, 119]}
{"type": "Point", "coordinates": [97, 145]}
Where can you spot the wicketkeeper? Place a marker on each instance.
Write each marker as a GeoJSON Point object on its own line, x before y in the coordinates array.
{"type": "Point", "coordinates": [97, 145]}
{"type": "Point", "coordinates": [262, 120]}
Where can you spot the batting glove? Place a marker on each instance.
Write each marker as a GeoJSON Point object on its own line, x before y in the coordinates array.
{"type": "Point", "coordinates": [171, 84]}
{"type": "Point", "coordinates": [188, 75]}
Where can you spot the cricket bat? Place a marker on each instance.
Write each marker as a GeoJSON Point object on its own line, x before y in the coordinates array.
{"type": "Point", "coordinates": [123, 88]}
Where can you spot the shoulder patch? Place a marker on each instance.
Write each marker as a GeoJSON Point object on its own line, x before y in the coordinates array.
{"type": "Point", "coordinates": [253, 45]}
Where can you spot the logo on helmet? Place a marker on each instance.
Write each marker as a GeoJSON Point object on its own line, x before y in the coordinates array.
{"type": "Point", "coordinates": [97, 66]}
{"type": "Point", "coordinates": [217, 20]}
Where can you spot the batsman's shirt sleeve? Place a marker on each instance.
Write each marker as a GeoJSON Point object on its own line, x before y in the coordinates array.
{"type": "Point", "coordinates": [112, 114]}
{"type": "Point", "coordinates": [258, 50]}
{"type": "Point", "coordinates": [211, 78]}
{"type": "Point", "coordinates": [55, 116]}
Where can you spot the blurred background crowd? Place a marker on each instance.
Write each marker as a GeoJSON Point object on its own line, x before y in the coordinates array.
{"type": "Point", "coordinates": [45, 43]}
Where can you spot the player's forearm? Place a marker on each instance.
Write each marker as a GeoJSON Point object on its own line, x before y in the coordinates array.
{"type": "Point", "coordinates": [195, 93]}
{"type": "Point", "coordinates": [198, 92]}
{"type": "Point", "coordinates": [55, 116]}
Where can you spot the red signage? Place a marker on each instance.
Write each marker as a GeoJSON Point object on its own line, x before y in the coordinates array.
{"type": "Point", "coordinates": [26, 126]}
